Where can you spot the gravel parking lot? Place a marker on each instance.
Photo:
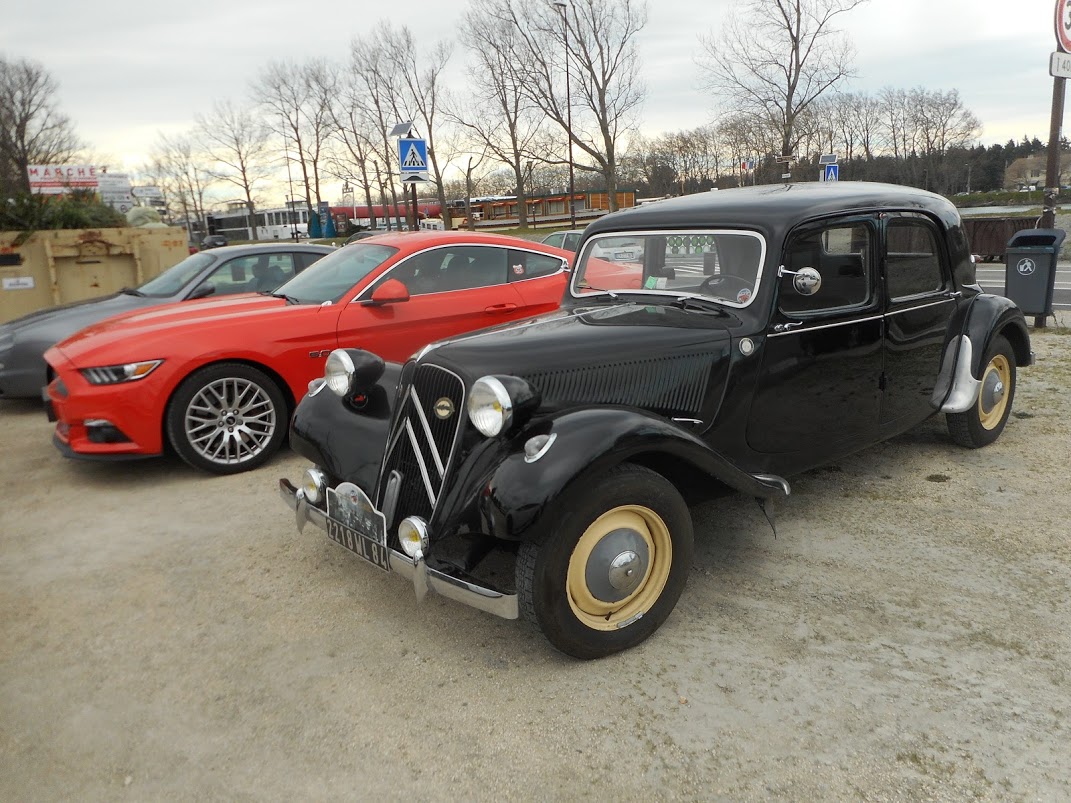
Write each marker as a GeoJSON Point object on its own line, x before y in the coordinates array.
{"type": "Point", "coordinates": [906, 636]}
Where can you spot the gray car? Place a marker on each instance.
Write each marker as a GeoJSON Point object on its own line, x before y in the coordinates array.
{"type": "Point", "coordinates": [217, 272]}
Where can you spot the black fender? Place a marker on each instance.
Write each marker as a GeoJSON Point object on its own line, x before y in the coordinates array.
{"type": "Point", "coordinates": [347, 439]}
{"type": "Point", "coordinates": [519, 495]}
{"type": "Point", "coordinates": [992, 315]}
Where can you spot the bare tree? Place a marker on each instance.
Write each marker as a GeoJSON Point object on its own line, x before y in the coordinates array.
{"type": "Point", "coordinates": [598, 38]}
{"type": "Point", "coordinates": [372, 75]}
{"type": "Point", "coordinates": [32, 131]}
{"type": "Point", "coordinates": [181, 174]}
{"type": "Point", "coordinates": [419, 76]}
{"type": "Point", "coordinates": [355, 134]}
{"type": "Point", "coordinates": [237, 140]}
{"type": "Point", "coordinates": [774, 58]}
{"type": "Point", "coordinates": [299, 98]}
{"type": "Point", "coordinates": [500, 119]}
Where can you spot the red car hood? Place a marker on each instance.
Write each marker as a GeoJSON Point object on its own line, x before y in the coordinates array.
{"type": "Point", "coordinates": [117, 336]}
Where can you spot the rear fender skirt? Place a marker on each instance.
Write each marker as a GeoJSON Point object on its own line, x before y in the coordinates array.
{"type": "Point", "coordinates": [988, 317]}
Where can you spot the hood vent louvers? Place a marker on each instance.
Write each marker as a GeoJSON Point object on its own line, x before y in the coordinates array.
{"type": "Point", "coordinates": [666, 385]}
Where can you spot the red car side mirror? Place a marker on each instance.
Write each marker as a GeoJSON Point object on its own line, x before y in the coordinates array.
{"type": "Point", "coordinates": [391, 291]}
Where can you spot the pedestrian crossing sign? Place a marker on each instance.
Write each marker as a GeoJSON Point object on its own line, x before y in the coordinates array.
{"type": "Point", "coordinates": [413, 158]}
{"type": "Point", "coordinates": [832, 173]}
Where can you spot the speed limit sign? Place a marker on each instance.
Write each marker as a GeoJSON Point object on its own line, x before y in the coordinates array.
{"type": "Point", "coordinates": [1063, 25]}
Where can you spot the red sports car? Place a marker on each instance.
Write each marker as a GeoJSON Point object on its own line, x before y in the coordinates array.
{"type": "Point", "coordinates": [219, 378]}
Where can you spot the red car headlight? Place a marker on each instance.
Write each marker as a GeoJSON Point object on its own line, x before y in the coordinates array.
{"type": "Point", "coordinates": [116, 374]}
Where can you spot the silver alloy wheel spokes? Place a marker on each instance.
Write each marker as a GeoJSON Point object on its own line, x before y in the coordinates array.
{"type": "Point", "coordinates": [230, 421]}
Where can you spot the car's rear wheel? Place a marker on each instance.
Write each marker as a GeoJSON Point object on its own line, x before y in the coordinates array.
{"type": "Point", "coordinates": [983, 423]}
{"type": "Point", "coordinates": [609, 572]}
{"type": "Point", "coordinates": [227, 418]}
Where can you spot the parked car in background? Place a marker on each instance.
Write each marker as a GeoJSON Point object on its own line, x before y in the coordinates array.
{"type": "Point", "coordinates": [564, 239]}
{"type": "Point", "coordinates": [545, 469]}
{"type": "Point", "coordinates": [213, 241]}
{"type": "Point", "coordinates": [617, 249]}
{"type": "Point", "coordinates": [362, 235]}
{"type": "Point", "coordinates": [215, 273]}
{"type": "Point", "coordinates": [219, 379]}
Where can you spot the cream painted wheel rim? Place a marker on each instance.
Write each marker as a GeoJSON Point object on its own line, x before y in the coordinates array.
{"type": "Point", "coordinates": [993, 395]}
{"type": "Point", "coordinates": [599, 562]}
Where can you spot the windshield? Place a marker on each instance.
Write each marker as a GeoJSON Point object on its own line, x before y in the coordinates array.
{"type": "Point", "coordinates": [722, 265]}
{"type": "Point", "coordinates": [332, 277]}
{"type": "Point", "coordinates": [175, 278]}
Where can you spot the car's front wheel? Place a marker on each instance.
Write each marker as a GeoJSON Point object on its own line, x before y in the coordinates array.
{"type": "Point", "coordinates": [983, 423]}
{"type": "Point", "coordinates": [607, 574]}
{"type": "Point", "coordinates": [227, 418]}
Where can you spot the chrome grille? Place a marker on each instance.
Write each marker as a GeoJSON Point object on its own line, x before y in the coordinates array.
{"type": "Point", "coordinates": [422, 443]}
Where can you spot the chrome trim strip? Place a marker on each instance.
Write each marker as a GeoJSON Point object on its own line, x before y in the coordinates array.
{"type": "Point", "coordinates": [427, 432]}
{"type": "Point", "coordinates": [418, 572]}
{"type": "Point", "coordinates": [670, 233]}
{"type": "Point", "coordinates": [773, 479]}
{"type": "Point", "coordinates": [366, 293]}
{"type": "Point", "coordinates": [825, 326]}
{"type": "Point", "coordinates": [420, 462]}
{"type": "Point", "coordinates": [965, 387]}
{"type": "Point", "coordinates": [920, 306]}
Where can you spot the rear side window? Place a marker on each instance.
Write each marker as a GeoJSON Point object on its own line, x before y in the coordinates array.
{"type": "Point", "coordinates": [912, 259]}
{"type": "Point", "coordinates": [306, 258]}
{"type": "Point", "coordinates": [527, 265]}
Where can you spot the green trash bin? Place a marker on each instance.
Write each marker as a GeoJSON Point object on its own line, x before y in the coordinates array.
{"type": "Point", "coordinates": [1030, 269]}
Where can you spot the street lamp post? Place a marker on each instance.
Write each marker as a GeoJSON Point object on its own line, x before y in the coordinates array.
{"type": "Point", "coordinates": [568, 113]}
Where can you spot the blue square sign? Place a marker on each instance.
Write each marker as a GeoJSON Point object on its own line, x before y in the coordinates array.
{"type": "Point", "coordinates": [413, 158]}
{"type": "Point", "coordinates": [832, 173]}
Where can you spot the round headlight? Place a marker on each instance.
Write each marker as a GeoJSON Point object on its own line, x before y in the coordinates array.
{"type": "Point", "coordinates": [313, 484]}
{"type": "Point", "coordinates": [490, 406]}
{"type": "Point", "coordinates": [338, 372]}
{"type": "Point", "coordinates": [413, 536]}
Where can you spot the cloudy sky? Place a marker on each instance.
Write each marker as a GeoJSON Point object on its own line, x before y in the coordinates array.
{"type": "Point", "coordinates": [128, 71]}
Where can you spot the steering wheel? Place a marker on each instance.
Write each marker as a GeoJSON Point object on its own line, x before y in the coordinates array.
{"type": "Point", "coordinates": [725, 285]}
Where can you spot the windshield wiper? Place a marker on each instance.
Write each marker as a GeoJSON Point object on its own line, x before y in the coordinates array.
{"type": "Point", "coordinates": [131, 291]}
{"type": "Point", "coordinates": [610, 293]}
{"type": "Point", "coordinates": [289, 299]}
{"type": "Point", "coordinates": [699, 303]}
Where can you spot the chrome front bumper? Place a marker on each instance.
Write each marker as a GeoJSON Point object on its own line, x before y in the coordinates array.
{"type": "Point", "coordinates": [422, 576]}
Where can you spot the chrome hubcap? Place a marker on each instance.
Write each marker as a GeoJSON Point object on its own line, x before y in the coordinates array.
{"type": "Point", "coordinates": [617, 565]}
{"type": "Point", "coordinates": [230, 421]}
{"type": "Point", "coordinates": [992, 391]}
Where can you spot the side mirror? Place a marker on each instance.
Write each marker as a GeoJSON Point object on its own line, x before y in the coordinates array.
{"type": "Point", "coordinates": [391, 291]}
{"type": "Point", "coordinates": [202, 290]}
{"type": "Point", "coordinates": [805, 281]}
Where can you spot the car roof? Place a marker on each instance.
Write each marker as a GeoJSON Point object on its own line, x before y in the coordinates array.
{"type": "Point", "coordinates": [775, 207]}
{"type": "Point", "coordinates": [415, 240]}
{"type": "Point", "coordinates": [257, 248]}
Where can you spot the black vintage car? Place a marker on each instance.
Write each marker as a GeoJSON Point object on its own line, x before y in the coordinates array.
{"type": "Point", "coordinates": [719, 341]}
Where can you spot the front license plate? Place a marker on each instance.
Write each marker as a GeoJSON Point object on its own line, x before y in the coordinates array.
{"type": "Point", "coordinates": [353, 522]}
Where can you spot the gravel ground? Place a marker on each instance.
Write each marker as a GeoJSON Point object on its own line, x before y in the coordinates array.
{"type": "Point", "coordinates": [170, 635]}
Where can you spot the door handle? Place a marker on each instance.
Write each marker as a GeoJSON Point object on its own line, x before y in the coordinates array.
{"type": "Point", "coordinates": [499, 308]}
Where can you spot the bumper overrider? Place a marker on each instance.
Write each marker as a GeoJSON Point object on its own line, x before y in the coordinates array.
{"type": "Point", "coordinates": [423, 577]}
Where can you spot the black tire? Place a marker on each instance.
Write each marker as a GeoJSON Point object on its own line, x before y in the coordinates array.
{"type": "Point", "coordinates": [983, 423]}
{"type": "Point", "coordinates": [630, 511]}
{"type": "Point", "coordinates": [227, 418]}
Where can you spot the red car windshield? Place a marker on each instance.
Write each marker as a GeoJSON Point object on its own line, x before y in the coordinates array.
{"type": "Point", "coordinates": [332, 277]}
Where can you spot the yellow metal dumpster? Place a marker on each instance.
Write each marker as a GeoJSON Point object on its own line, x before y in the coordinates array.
{"type": "Point", "coordinates": [56, 267]}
